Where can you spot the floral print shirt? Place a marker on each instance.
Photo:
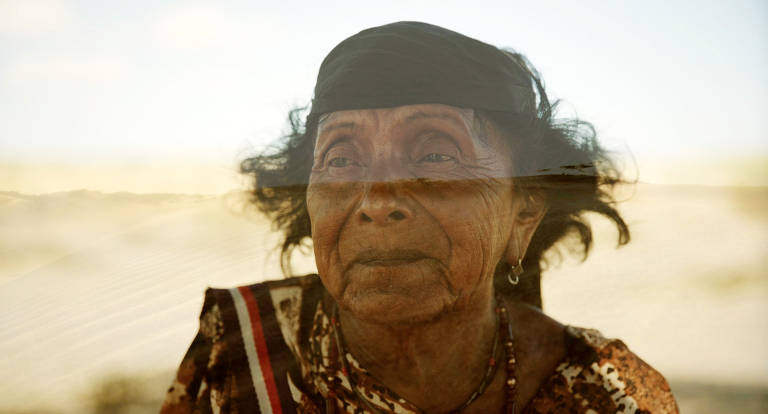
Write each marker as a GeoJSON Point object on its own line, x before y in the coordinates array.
{"type": "Point", "coordinates": [220, 372]}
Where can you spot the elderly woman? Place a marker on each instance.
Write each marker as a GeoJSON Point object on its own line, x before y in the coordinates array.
{"type": "Point", "coordinates": [431, 176]}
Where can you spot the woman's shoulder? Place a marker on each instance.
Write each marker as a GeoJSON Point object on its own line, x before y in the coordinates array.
{"type": "Point", "coordinates": [284, 301]}
{"type": "Point", "coordinates": [282, 297]}
{"type": "Point", "coordinates": [310, 281]}
{"type": "Point", "coordinates": [599, 374]}
{"type": "Point", "coordinates": [256, 322]}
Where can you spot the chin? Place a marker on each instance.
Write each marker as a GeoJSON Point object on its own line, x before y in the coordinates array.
{"type": "Point", "coordinates": [410, 292]}
{"type": "Point", "coordinates": [394, 308]}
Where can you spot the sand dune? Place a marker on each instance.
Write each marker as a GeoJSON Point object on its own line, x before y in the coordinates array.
{"type": "Point", "coordinates": [93, 283]}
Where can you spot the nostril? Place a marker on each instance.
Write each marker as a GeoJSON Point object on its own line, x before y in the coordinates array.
{"type": "Point", "coordinates": [365, 217]}
{"type": "Point", "coordinates": [396, 215]}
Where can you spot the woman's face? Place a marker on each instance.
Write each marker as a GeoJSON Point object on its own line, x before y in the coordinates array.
{"type": "Point", "coordinates": [411, 208]}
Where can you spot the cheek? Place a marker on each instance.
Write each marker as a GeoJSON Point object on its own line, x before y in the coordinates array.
{"type": "Point", "coordinates": [477, 217]}
{"type": "Point", "coordinates": [329, 206]}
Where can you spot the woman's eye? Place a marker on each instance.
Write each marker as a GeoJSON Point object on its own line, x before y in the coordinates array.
{"type": "Point", "coordinates": [340, 162]}
{"type": "Point", "coordinates": [435, 157]}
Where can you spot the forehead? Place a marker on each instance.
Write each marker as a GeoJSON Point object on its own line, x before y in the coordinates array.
{"type": "Point", "coordinates": [382, 117]}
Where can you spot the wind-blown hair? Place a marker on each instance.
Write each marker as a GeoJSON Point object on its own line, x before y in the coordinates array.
{"type": "Point", "coordinates": [558, 161]}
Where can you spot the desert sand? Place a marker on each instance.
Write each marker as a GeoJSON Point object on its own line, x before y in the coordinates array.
{"type": "Point", "coordinates": [97, 285]}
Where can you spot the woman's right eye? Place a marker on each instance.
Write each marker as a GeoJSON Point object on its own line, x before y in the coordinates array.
{"type": "Point", "coordinates": [340, 162]}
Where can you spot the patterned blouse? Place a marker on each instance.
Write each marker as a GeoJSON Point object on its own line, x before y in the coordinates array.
{"type": "Point", "coordinates": [270, 347]}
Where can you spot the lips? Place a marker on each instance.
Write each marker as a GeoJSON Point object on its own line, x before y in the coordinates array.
{"type": "Point", "coordinates": [394, 257]}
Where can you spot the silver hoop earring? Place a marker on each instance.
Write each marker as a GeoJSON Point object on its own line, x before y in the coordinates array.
{"type": "Point", "coordinates": [515, 271]}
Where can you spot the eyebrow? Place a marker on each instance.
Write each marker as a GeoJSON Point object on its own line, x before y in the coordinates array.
{"type": "Point", "coordinates": [425, 115]}
{"type": "Point", "coordinates": [338, 125]}
{"type": "Point", "coordinates": [410, 118]}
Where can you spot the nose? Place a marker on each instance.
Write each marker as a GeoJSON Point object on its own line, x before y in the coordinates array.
{"type": "Point", "coordinates": [382, 205]}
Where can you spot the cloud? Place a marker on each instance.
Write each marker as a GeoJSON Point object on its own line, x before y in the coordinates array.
{"type": "Point", "coordinates": [200, 27]}
{"type": "Point", "coordinates": [60, 68]}
{"type": "Point", "coordinates": [31, 17]}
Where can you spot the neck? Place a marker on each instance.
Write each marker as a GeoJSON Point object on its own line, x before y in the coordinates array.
{"type": "Point", "coordinates": [446, 356]}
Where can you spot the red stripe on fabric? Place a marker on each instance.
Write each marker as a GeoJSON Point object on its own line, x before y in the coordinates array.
{"type": "Point", "coordinates": [261, 348]}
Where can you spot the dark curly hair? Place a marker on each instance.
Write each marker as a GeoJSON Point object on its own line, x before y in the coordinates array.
{"type": "Point", "coordinates": [557, 160]}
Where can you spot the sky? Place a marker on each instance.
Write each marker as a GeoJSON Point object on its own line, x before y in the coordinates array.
{"type": "Point", "coordinates": [678, 90]}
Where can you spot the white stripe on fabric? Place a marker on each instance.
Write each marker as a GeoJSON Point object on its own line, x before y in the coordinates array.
{"type": "Point", "coordinates": [250, 351]}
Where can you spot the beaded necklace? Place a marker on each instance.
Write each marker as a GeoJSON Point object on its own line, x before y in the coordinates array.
{"type": "Point", "coordinates": [503, 330]}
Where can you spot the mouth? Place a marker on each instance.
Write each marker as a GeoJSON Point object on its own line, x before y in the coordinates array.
{"type": "Point", "coordinates": [395, 257]}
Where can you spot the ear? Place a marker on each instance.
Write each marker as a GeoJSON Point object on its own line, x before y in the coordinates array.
{"type": "Point", "coordinates": [530, 210]}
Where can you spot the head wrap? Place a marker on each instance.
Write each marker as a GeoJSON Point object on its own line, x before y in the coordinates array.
{"type": "Point", "coordinates": [417, 63]}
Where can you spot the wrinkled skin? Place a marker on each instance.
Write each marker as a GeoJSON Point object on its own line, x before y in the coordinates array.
{"type": "Point", "coordinates": [411, 209]}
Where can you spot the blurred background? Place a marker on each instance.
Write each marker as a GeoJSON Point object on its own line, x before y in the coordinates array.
{"type": "Point", "coordinates": [122, 125]}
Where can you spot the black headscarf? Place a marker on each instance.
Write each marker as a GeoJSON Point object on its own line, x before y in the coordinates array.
{"type": "Point", "coordinates": [417, 63]}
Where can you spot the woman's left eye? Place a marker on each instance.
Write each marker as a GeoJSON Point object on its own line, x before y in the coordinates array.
{"type": "Point", "coordinates": [340, 162]}
{"type": "Point", "coordinates": [435, 157]}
